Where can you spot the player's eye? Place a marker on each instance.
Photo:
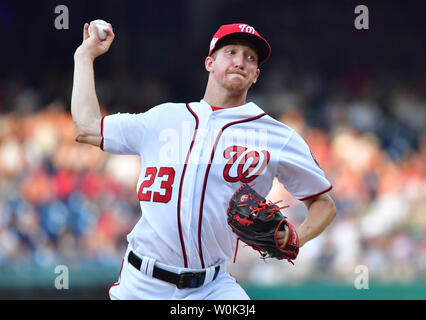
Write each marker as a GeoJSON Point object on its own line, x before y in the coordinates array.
{"type": "Point", "coordinates": [230, 51]}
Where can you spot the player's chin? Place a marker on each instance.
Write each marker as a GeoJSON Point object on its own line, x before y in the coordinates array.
{"type": "Point", "coordinates": [238, 84]}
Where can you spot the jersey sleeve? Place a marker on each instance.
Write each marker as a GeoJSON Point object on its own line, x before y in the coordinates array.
{"type": "Point", "coordinates": [123, 133]}
{"type": "Point", "coordinates": [299, 171]}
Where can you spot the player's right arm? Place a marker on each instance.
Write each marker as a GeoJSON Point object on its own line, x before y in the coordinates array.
{"type": "Point", "coordinates": [85, 108]}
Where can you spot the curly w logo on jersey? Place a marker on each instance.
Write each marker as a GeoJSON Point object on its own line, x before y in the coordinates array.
{"type": "Point", "coordinates": [244, 164]}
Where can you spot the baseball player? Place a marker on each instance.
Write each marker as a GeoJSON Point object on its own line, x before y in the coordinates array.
{"type": "Point", "coordinates": [194, 156]}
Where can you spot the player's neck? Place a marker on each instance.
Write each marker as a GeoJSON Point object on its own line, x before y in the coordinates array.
{"type": "Point", "coordinates": [225, 99]}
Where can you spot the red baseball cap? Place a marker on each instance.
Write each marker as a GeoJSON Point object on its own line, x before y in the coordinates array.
{"type": "Point", "coordinates": [242, 30]}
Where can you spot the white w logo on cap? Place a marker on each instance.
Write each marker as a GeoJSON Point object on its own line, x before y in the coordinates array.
{"type": "Point", "coordinates": [246, 28]}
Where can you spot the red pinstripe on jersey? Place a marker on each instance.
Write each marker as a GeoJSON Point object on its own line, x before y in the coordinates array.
{"type": "Point", "coordinates": [182, 243]}
{"type": "Point", "coordinates": [317, 194]}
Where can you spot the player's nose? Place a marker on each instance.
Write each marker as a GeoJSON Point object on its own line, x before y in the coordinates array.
{"type": "Point", "coordinates": [239, 61]}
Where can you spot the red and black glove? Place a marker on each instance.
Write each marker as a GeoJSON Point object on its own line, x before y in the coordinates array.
{"type": "Point", "coordinates": [257, 223]}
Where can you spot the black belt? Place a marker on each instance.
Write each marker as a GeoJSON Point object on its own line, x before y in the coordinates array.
{"type": "Point", "coordinates": [182, 280]}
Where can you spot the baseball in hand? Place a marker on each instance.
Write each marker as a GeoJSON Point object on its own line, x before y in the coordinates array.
{"type": "Point", "coordinates": [101, 25]}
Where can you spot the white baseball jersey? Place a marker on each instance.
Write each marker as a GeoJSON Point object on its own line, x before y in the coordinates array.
{"type": "Point", "coordinates": [192, 161]}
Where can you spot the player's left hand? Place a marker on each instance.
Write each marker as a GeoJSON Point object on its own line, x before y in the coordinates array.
{"type": "Point", "coordinates": [281, 237]}
{"type": "Point", "coordinates": [262, 225]}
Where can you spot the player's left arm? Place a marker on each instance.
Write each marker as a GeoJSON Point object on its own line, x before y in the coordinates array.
{"type": "Point", "coordinates": [321, 212]}
{"type": "Point", "coordinates": [302, 176]}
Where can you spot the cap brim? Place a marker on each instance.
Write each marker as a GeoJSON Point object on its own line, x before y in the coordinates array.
{"type": "Point", "coordinates": [262, 46]}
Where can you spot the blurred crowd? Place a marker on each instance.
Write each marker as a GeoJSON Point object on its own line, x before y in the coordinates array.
{"type": "Point", "coordinates": [64, 202]}
{"type": "Point", "coordinates": [61, 201]}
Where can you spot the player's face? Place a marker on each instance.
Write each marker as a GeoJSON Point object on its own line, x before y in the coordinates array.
{"type": "Point", "coordinates": [234, 66]}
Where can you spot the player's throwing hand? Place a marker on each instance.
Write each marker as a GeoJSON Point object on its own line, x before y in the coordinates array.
{"type": "Point", "coordinates": [93, 46]}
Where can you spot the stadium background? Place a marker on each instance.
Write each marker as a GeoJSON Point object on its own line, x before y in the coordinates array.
{"type": "Point", "coordinates": [356, 96]}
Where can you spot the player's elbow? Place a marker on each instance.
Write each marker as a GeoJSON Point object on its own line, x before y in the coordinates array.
{"type": "Point", "coordinates": [92, 140]}
{"type": "Point", "coordinates": [88, 134]}
{"type": "Point", "coordinates": [331, 209]}
{"type": "Point", "coordinates": [80, 138]}
{"type": "Point", "coordinates": [86, 129]}
{"type": "Point", "coordinates": [323, 203]}
{"type": "Point", "coordinates": [81, 134]}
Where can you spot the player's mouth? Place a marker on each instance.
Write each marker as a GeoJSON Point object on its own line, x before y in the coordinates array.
{"type": "Point", "coordinates": [237, 73]}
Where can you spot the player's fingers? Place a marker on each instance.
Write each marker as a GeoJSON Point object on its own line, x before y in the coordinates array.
{"type": "Point", "coordinates": [109, 32]}
{"type": "Point", "coordinates": [94, 31]}
{"type": "Point", "coordinates": [282, 237]}
{"type": "Point", "coordinates": [85, 31]}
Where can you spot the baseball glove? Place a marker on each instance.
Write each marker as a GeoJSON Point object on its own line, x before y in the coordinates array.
{"type": "Point", "coordinates": [257, 222]}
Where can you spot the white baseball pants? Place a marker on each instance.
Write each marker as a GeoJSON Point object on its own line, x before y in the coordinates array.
{"type": "Point", "coordinates": [134, 284]}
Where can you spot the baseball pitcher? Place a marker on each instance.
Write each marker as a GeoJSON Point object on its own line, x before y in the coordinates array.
{"type": "Point", "coordinates": [205, 169]}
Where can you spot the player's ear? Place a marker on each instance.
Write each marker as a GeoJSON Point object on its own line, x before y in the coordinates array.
{"type": "Point", "coordinates": [208, 63]}
{"type": "Point", "coordinates": [257, 75]}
